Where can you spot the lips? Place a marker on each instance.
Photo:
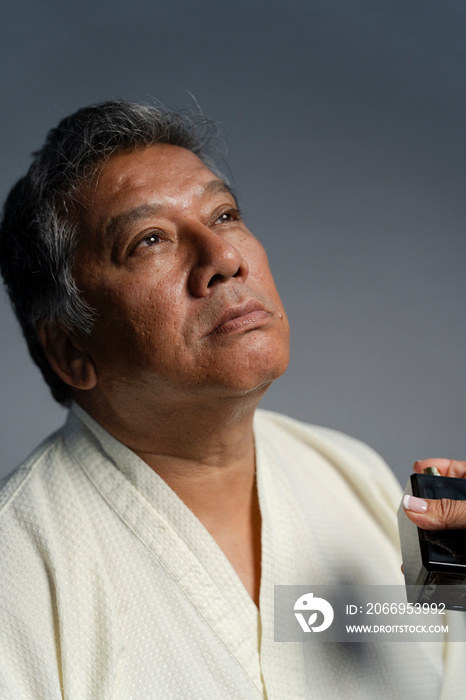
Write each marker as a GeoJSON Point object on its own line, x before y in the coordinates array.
{"type": "Point", "coordinates": [243, 317]}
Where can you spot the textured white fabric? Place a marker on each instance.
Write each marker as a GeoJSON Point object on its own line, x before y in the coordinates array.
{"type": "Point", "coordinates": [112, 589]}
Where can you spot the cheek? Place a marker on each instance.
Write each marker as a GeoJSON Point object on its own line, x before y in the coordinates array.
{"type": "Point", "coordinates": [259, 269]}
{"type": "Point", "coordinates": [134, 319]}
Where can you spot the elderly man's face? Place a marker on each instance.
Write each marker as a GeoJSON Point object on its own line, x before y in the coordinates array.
{"type": "Point", "coordinates": [185, 298]}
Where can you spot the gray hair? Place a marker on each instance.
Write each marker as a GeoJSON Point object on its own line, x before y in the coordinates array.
{"type": "Point", "coordinates": [39, 233]}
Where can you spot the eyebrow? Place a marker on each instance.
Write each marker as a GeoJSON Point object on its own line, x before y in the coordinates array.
{"type": "Point", "coordinates": [118, 222]}
{"type": "Point", "coordinates": [219, 187]}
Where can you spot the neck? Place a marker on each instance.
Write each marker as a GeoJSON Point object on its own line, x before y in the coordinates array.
{"type": "Point", "coordinates": [205, 453]}
{"type": "Point", "coordinates": [203, 449]}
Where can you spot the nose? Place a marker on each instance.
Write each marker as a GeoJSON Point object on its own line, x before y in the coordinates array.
{"type": "Point", "coordinates": [215, 261]}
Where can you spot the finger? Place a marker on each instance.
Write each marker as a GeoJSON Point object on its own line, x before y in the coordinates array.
{"type": "Point", "coordinates": [446, 467]}
{"type": "Point", "coordinates": [436, 514]}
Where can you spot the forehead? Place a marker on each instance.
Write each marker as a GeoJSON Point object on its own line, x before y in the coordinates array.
{"type": "Point", "coordinates": [161, 170]}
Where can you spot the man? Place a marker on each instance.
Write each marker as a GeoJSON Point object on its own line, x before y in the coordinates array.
{"type": "Point", "coordinates": [142, 542]}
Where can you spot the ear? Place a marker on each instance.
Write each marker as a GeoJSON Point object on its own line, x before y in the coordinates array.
{"type": "Point", "coordinates": [67, 358]}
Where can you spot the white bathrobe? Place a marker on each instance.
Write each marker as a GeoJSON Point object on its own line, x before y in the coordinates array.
{"type": "Point", "coordinates": [110, 588]}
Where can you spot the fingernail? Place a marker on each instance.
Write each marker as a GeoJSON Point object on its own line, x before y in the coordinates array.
{"type": "Point", "coordinates": [417, 505]}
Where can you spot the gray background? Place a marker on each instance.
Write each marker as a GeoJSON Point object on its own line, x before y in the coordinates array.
{"type": "Point", "coordinates": [346, 130]}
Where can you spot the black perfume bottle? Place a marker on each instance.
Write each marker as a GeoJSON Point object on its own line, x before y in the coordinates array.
{"type": "Point", "coordinates": [434, 561]}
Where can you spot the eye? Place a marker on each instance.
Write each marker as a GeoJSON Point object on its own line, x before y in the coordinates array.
{"type": "Point", "coordinates": [228, 216]}
{"type": "Point", "coordinates": [153, 239]}
{"type": "Point", "coordinates": [150, 240]}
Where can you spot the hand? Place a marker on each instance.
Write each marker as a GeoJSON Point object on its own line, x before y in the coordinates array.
{"type": "Point", "coordinates": [442, 514]}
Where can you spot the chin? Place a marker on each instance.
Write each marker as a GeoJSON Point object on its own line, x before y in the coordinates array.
{"type": "Point", "coordinates": [256, 377]}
